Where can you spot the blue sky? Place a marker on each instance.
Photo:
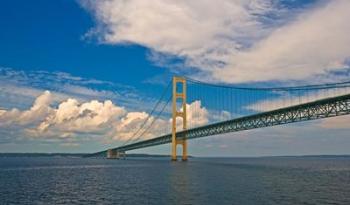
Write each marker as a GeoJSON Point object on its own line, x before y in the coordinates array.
{"type": "Point", "coordinates": [124, 52]}
{"type": "Point", "coordinates": [41, 35]}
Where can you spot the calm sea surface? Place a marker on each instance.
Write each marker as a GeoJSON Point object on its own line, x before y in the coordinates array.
{"type": "Point", "coordinates": [309, 180]}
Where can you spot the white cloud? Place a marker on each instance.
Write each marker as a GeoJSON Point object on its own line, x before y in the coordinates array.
{"type": "Point", "coordinates": [197, 115]}
{"type": "Point", "coordinates": [40, 109]}
{"type": "Point", "coordinates": [218, 116]}
{"type": "Point", "coordinates": [200, 31]}
{"type": "Point", "coordinates": [227, 39]}
{"type": "Point", "coordinates": [129, 124]}
{"type": "Point", "coordinates": [72, 123]}
{"type": "Point", "coordinates": [71, 119]}
{"type": "Point", "coordinates": [313, 44]}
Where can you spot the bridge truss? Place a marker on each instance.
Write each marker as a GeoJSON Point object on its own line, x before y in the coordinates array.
{"type": "Point", "coordinates": [319, 109]}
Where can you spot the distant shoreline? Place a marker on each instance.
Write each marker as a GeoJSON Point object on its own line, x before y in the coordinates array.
{"type": "Point", "coordinates": [68, 155]}
{"type": "Point", "coordinates": [156, 155]}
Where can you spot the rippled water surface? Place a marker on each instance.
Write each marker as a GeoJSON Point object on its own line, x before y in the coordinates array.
{"type": "Point", "coordinates": [309, 180]}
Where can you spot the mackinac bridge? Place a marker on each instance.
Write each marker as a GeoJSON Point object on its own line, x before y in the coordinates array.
{"type": "Point", "coordinates": [189, 109]}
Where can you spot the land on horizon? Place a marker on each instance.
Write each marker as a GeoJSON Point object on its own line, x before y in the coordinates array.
{"type": "Point", "coordinates": [14, 154]}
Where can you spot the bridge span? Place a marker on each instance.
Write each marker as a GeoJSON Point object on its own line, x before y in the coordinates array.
{"type": "Point", "coordinates": [326, 107]}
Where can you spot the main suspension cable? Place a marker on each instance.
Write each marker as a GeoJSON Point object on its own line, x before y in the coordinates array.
{"type": "Point", "coordinates": [150, 115]}
{"type": "Point", "coordinates": [304, 87]}
{"type": "Point", "coordinates": [154, 120]}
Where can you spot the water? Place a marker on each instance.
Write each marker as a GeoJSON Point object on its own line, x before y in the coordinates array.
{"type": "Point", "coordinates": [308, 180]}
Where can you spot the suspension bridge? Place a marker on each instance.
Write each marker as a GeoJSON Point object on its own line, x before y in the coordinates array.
{"type": "Point", "coordinates": [200, 109]}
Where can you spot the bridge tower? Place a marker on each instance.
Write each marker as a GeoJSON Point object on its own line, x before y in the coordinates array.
{"type": "Point", "coordinates": [179, 94]}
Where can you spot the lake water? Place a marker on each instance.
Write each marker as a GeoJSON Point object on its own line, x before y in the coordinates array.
{"type": "Point", "coordinates": [243, 181]}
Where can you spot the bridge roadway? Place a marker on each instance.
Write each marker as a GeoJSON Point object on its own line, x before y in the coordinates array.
{"type": "Point", "coordinates": [328, 107]}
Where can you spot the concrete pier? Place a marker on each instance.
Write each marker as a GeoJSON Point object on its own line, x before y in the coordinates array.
{"type": "Point", "coordinates": [114, 154]}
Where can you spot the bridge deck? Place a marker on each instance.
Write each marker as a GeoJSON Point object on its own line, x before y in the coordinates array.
{"type": "Point", "coordinates": [329, 107]}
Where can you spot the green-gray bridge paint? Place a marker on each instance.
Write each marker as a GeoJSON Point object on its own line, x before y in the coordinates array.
{"type": "Point", "coordinates": [325, 108]}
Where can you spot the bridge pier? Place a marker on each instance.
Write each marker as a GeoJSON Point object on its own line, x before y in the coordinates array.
{"type": "Point", "coordinates": [184, 150]}
{"type": "Point", "coordinates": [114, 154]}
{"type": "Point", "coordinates": [179, 95]}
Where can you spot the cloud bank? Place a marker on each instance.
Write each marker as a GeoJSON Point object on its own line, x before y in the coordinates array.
{"type": "Point", "coordinates": [232, 41]}
{"type": "Point", "coordinates": [93, 119]}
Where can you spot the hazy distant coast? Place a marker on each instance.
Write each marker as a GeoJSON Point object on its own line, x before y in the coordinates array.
{"type": "Point", "coordinates": [68, 155]}
{"type": "Point", "coordinates": [155, 155]}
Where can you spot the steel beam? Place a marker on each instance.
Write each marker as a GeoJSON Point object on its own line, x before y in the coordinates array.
{"type": "Point", "coordinates": [325, 108]}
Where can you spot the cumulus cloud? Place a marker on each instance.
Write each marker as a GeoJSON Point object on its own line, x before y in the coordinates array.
{"type": "Point", "coordinates": [130, 124]}
{"type": "Point", "coordinates": [40, 109]}
{"type": "Point", "coordinates": [72, 118]}
{"type": "Point", "coordinates": [232, 41]}
{"type": "Point", "coordinates": [197, 115]}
